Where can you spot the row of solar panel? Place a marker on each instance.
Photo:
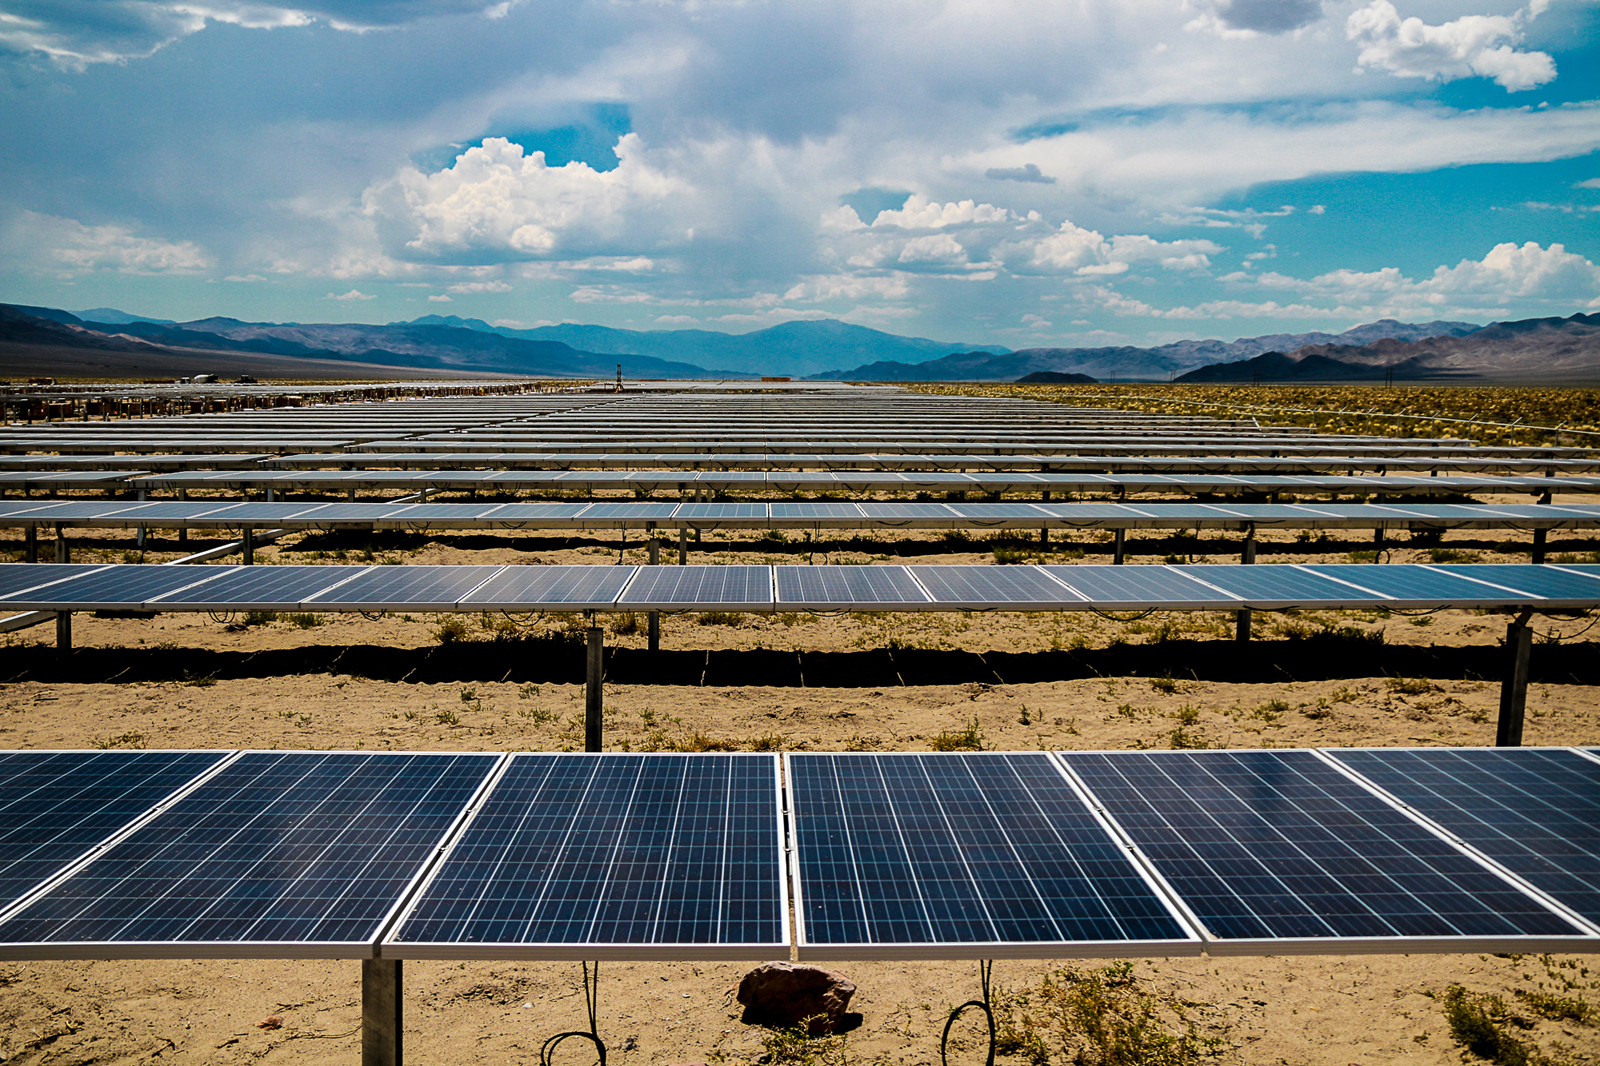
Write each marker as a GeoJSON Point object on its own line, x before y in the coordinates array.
{"type": "Point", "coordinates": [609, 457]}
{"type": "Point", "coordinates": [902, 855]}
{"type": "Point", "coordinates": [132, 587]}
{"type": "Point", "coordinates": [801, 515]}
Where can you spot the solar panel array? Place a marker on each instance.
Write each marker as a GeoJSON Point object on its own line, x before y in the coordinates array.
{"type": "Point", "coordinates": [896, 855]}
{"type": "Point", "coordinates": [132, 587]}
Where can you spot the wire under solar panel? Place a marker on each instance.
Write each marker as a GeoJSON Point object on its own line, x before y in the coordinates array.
{"type": "Point", "coordinates": [302, 854]}
{"type": "Point", "coordinates": [960, 856]}
{"type": "Point", "coordinates": [733, 588]}
{"type": "Point", "coordinates": [555, 588]}
{"type": "Point", "coordinates": [1138, 587]}
{"type": "Point", "coordinates": [55, 806]}
{"type": "Point", "coordinates": [18, 577]}
{"type": "Point", "coordinates": [611, 856]}
{"type": "Point", "coordinates": [836, 588]}
{"type": "Point", "coordinates": [1279, 852]}
{"type": "Point", "coordinates": [114, 587]}
{"type": "Point", "coordinates": [400, 588]}
{"type": "Point", "coordinates": [259, 588]}
{"type": "Point", "coordinates": [993, 587]}
{"type": "Point", "coordinates": [1535, 811]}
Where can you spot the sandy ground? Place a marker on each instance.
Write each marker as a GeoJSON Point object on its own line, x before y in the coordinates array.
{"type": "Point", "coordinates": [860, 682]}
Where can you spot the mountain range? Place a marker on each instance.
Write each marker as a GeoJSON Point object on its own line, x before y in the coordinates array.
{"type": "Point", "coordinates": [1125, 363]}
{"type": "Point", "coordinates": [106, 342]}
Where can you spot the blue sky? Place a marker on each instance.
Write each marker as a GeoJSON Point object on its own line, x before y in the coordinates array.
{"type": "Point", "coordinates": [1099, 172]}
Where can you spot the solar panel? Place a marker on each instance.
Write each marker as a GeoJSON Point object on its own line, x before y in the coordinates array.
{"type": "Point", "coordinates": [1411, 585]}
{"type": "Point", "coordinates": [630, 512]}
{"type": "Point", "coordinates": [259, 588]}
{"type": "Point", "coordinates": [401, 588]}
{"type": "Point", "coordinates": [1281, 586]}
{"type": "Point", "coordinates": [552, 588]}
{"type": "Point", "coordinates": [19, 577]}
{"type": "Point", "coordinates": [891, 513]}
{"type": "Point", "coordinates": [114, 588]}
{"type": "Point", "coordinates": [993, 587]}
{"type": "Point", "coordinates": [611, 856]}
{"type": "Point", "coordinates": [1559, 586]}
{"type": "Point", "coordinates": [843, 588]}
{"type": "Point", "coordinates": [1279, 852]}
{"type": "Point", "coordinates": [720, 512]}
{"type": "Point", "coordinates": [815, 512]}
{"type": "Point", "coordinates": [278, 854]}
{"type": "Point", "coordinates": [733, 588]}
{"type": "Point", "coordinates": [55, 806]}
{"type": "Point", "coordinates": [1535, 811]}
{"type": "Point", "coordinates": [998, 512]}
{"type": "Point", "coordinates": [533, 512]}
{"type": "Point", "coordinates": [962, 855]}
{"type": "Point", "coordinates": [1139, 587]}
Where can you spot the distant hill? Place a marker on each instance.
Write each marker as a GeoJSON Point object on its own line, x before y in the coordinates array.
{"type": "Point", "coordinates": [114, 317]}
{"type": "Point", "coordinates": [1553, 350]}
{"type": "Point", "coordinates": [1127, 363]}
{"type": "Point", "coordinates": [790, 348]}
{"type": "Point", "coordinates": [1053, 377]}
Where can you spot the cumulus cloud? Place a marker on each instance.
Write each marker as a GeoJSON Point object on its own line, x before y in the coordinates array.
{"type": "Point", "coordinates": [1026, 172]}
{"type": "Point", "coordinates": [919, 212]}
{"type": "Point", "coordinates": [353, 294]}
{"type": "Point", "coordinates": [67, 247]}
{"type": "Point", "coordinates": [439, 298]}
{"type": "Point", "coordinates": [479, 286]}
{"type": "Point", "coordinates": [77, 33]}
{"type": "Point", "coordinates": [1470, 46]}
{"type": "Point", "coordinates": [495, 204]}
{"type": "Point", "coordinates": [1075, 250]}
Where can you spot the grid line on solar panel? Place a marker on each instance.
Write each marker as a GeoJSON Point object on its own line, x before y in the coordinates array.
{"type": "Point", "coordinates": [20, 577]}
{"type": "Point", "coordinates": [55, 806]}
{"type": "Point", "coordinates": [846, 587]}
{"type": "Point", "coordinates": [962, 856]}
{"type": "Point", "coordinates": [277, 854]}
{"type": "Point", "coordinates": [116, 587]}
{"type": "Point", "coordinates": [611, 856]}
{"type": "Point", "coordinates": [265, 588]}
{"type": "Point", "coordinates": [1282, 852]}
{"type": "Point", "coordinates": [404, 587]}
{"type": "Point", "coordinates": [1534, 811]}
{"type": "Point", "coordinates": [985, 587]}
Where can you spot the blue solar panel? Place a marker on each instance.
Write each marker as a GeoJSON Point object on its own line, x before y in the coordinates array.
{"type": "Point", "coordinates": [612, 856]}
{"type": "Point", "coordinates": [550, 588]}
{"type": "Point", "coordinates": [17, 577]}
{"type": "Point", "coordinates": [115, 587]}
{"type": "Point", "coordinates": [260, 588]}
{"type": "Point", "coordinates": [57, 805]}
{"type": "Point", "coordinates": [1270, 848]}
{"type": "Point", "coordinates": [630, 512]}
{"type": "Point", "coordinates": [890, 513]}
{"type": "Point", "coordinates": [533, 512]}
{"type": "Point", "coordinates": [827, 588]}
{"type": "Point", "coordinates": [999, 512]}
{"type": "Point", "coordinates": [1551, 583]}
{"type": "Point", "coordinates": [983, 587]}
{"type": "Point", "coordinates": [815, 512]}
{"type": "Point", "coordinates": [405, 588]}
{"type": "Point", "coordinates": [720, 512]}
{"type": "Point", "coordinates": [1417, 586]}
{"type": "Point", "coordinates": [1281, 586]}
{"type": "Point", "coordinates": [984, 855]}
{"type": "Point", "coordinates": [1535, 811]}
{"type": "Point", "coordinates": [1136, 587]}
{"type": "Point", "coordinates": [278, 853]}
{"type": "Point", "coordinates": [705, 587]}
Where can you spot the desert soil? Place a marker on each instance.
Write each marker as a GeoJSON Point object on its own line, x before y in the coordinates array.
{"type": "Point", "coordinates": [856, 682]}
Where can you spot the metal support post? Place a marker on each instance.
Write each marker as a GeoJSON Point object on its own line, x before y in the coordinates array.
{"type": "Point", "coordinates": [1539, 537]}
{"type": "Point", "coordinates": [1377, 545]}
{"type": "Point", "coordinates": [138, 540]}
{"type": "Point", "coordinates": [63, 632]}
{"type": "Point", "coordinates": [1241, 628]}
{"type": "Point", "coordinates": [247, 545]}
{"type": "Point", "coordinates": [655, 616]}
{"type": "Point", "coordinates": [1044, 531]}
{"type": "Point", "coordinates": [382, 1012]}
{"type": "Point", "coordinates": [1119, 547]}
{"type": "Point", "coordinates": [594, 691]}
{"type": "Point", "coordinates": [1514, 686]}
{"type": "Point", "coordinates": [183, 531]}
{"type": "Point", "coordinates": [63, 552]}
{"type": "Point", "coordinates": [30, 543]}
{"type": "Point", "coordinates": [683, 547]}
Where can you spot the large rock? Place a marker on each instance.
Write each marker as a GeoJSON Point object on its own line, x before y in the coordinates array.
{"type": "Point", "coordinates": [784, 995]}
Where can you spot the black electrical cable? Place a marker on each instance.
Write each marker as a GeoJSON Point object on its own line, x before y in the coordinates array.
{"type": "Point", "coordinates": [591, 992]}
{"type": "Point", "coordinates": [985, 968]}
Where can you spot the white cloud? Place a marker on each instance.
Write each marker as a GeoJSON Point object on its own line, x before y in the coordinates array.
{"type": "Point", "coordinates": [68, 247]}
{"type": "Point", "coordinates": [77, 33]}
{"type": "Point", "coordinates": [353, 294]}
{"type": "Point", "coordinates": [495, 204]}
{"type": "Point", "coordinates": [1589, 183]}
{"type": "Point", "coordinates": [1470, 46]}
{"type": "Point", "coordinates": [244, 277]}
{"type": "Point", "coordinates": [919, 212]}
{"type": "Point", "coordinates": [438, 298]}
{"type": "Point", "coordinates": [1073, 249]}
{"type": "Point", "coordinates": [478, 286]}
